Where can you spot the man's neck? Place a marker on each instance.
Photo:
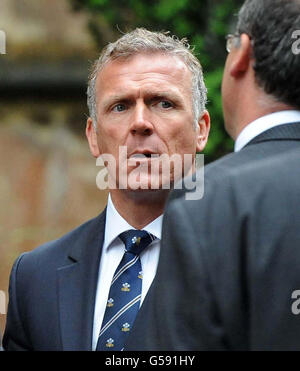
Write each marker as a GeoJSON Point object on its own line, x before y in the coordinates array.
{"type": "Point", "coordinates": [256, 115]}
{"type": "Point", "coordinates": [253, 105]}
{"type": "Point", "coordinates": [139, 208]}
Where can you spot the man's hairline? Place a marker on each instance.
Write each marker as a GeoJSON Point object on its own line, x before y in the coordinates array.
{"type": "Point", "coordinates": [145, 52]}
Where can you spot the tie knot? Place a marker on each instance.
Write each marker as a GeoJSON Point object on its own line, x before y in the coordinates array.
{"type": "Point", "coordinates": [136, 241]}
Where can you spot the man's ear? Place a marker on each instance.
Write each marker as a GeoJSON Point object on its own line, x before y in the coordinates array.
{"type": "Point", "coordinates": [203, 128]}
{"type": "Point", "coordinates": [91, 135]}
{"type": "Point", "coordinates": [240, 56]}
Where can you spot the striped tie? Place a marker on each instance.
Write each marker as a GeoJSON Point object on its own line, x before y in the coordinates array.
{"type": "Point", "coordinates": [125, 292]}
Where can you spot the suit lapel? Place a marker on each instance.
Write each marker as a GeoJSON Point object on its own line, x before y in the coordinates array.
{"type": "Point", "coordinates": [77, 281]}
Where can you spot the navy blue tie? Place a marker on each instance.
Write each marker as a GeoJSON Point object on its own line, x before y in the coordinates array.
{"type": "Point", "coordinates": [125, 292]}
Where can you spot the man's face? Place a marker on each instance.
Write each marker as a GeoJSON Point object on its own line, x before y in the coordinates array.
{"type": "Point", "coordinates": [145, 103]}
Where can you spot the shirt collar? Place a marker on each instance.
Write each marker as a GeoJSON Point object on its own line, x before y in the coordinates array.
{"type": "Point", "coordinates": [116, 224]}
{"type": "Point", "coordinates": [264, 123]}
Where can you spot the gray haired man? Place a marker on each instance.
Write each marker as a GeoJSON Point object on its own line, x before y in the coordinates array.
{"type": "Point", "coordinates": [146, 95]}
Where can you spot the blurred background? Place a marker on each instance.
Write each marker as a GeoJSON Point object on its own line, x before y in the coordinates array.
{"type": "Point", "coordinates": [47, 175]}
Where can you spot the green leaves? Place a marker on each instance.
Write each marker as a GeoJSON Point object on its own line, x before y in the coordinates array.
{"type": "Point", "coordinates": [98, 3]}
{"type": "Point", "coordinates": [166, 10]}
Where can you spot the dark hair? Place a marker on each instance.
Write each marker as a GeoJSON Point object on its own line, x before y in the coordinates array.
{"type": "Point", "coordinates": [271, 24]}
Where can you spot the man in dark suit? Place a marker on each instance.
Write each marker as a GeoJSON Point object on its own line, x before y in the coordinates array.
{"type": "Point", "coordinates": [228, 276]}
{"type": "Point", "coordinates": [145, 90]}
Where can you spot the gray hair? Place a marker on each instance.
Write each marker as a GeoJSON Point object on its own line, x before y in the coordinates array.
{"type": "Point", "coordinates": [141, 40]}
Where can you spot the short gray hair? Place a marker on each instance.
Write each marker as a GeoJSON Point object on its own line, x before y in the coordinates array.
{"type": "Point", "coordinates": [141, 40]}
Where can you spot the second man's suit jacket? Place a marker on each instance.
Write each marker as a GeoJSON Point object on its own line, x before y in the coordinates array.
{"type": "Point", "coordinates": [229, 268]}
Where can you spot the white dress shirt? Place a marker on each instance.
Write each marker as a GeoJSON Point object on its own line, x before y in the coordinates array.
{"type": "Point", "coordinates": [112, 253]}
{"type": "Point", "coordinates": [264, 123]}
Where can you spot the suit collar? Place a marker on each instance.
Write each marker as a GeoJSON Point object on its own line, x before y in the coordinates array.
{"type": "Point", "coordinates": [77, 282]}
{"type": "Point", "coordinates": [263, 124]}
{"type": "Point", "coordinates": [289, 131]}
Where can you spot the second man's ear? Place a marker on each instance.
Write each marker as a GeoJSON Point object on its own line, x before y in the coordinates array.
{"type": "Point", "coordinates": [240, 56]}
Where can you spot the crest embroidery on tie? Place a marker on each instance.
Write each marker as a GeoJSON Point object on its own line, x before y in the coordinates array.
{"type": "Point", "coordinates": [110, 343]}
{"type": "Point", "coordinates": [110, 302]}
{"type": "Point", "coordinates": [136, 240]}
{"type": "Point", "coordinates": [126, 327]}
{"type": "Point", "coordinates": [126, 287]}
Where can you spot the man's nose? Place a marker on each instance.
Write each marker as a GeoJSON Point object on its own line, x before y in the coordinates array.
{"type": "Point", "coordinates": [141, 122]}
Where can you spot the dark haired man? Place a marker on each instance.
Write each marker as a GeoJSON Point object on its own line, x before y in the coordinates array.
{"type": "Point", "coordinates": [228, 275]}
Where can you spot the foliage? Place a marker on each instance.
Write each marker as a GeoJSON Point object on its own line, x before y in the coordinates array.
{"type": "Point", "coordinates": [204, 22]}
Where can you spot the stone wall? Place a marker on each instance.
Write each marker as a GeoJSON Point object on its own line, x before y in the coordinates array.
{"type": "Point", "coordinates": [47, 174]}
{"type": "Point", "coordinates": [47, 184]}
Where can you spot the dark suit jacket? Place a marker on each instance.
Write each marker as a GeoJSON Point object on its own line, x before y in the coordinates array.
{"type": "Point", "coordinates": [52, 292]}
{"type": "Point", "coordinates": [230, 262]}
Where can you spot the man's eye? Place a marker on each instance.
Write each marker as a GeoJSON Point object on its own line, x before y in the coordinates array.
{"type": "Point", "coordinates": [119, 107]}
{"type": "Point", "coordinates": [165, 104]}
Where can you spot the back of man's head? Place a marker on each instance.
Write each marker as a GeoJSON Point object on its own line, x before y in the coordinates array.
{"type": "Point", "coordinates": [272, 25]}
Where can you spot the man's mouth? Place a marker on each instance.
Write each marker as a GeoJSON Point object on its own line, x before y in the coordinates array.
{"type": "Point", "coordinates": [143, 153]}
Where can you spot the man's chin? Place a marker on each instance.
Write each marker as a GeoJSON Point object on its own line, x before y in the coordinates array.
{"type": "Point", "coordinates": [149, 195]}
{"type": "Point", "coordinates": [148, 183]}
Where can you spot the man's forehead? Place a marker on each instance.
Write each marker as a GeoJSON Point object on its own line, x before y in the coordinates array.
{"type": "Point", "coordinates": [146, 63]}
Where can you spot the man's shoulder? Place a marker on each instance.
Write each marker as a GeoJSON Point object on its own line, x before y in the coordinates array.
{"type": "Point", "coordinates": [214, 171]}
{"type": "Point", "coordinates": [58, 250]}
{"type": "Point", "coordinates": [235, 162]}
{"type": "Point", "coordinates": [236, 169]}
{"type": "Point", "coordinates": [263, 169]}
{"type": "Point", "coordinates": [262, 197]}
